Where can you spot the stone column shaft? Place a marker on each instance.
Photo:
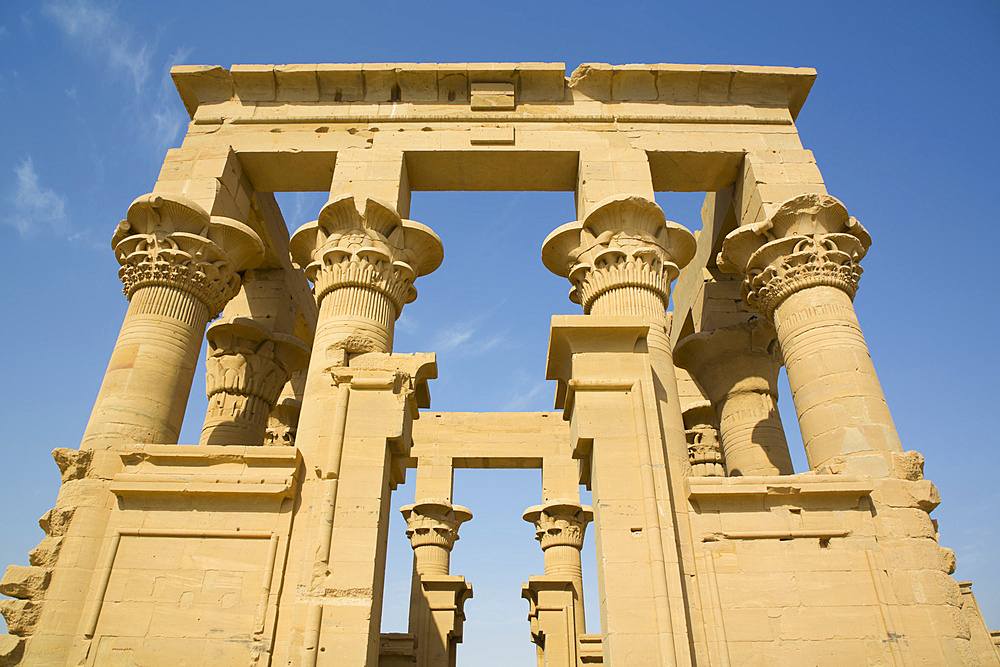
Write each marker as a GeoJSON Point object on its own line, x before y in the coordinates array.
{"type": "Point", "coordinates": [738, 367]}
{"type": "Point", "coordinates": [801, 270]}
{"type": "Point", "coordinates": [837, 395]}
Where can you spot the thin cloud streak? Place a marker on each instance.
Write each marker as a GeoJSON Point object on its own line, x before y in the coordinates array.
{"type": "Point", "coordinates": [102, 33]}
{"type": "Point", "coordinates": [35, 209]}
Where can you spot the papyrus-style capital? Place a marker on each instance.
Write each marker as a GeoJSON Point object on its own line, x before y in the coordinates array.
{"type": "Point", "coordinates": [246, 368]}
{"type": "Point", "coordinates": [704, 451]}
{"type": "Point", "coordinates": [370, 247]}
{"type": "Point", "coordinates": [172, 241]}
{"type": "Point", "coordinates": [559, 523]}
{"type": "Point", "coordinates": [811, 240]}
{"type": "Point", "coordinates": [621, 258]}
{"type": "Point", "coordinates": [434, 523]}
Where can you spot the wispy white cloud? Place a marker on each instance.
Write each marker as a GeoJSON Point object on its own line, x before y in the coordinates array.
{"type": "Point", "coordinates": [3, 30]}
{"type": "Point", "coordinates": [407, 324]}
{"type": "Point", "coordinates": [168, 118]}
{"type": "Point", "coordinates": [128, 53]}
{"type": "Point", "coordinates": [98, 28]}
{"type": "Point", "coordinates": [527, 393]}
{"type": "Point", "coordinates": [35, 209]}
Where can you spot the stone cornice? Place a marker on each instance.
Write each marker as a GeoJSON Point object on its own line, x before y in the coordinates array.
{"type": "Point", "coordinates": [411, 87]}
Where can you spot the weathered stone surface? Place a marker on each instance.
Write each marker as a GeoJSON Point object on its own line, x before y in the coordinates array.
{"type": "Point", "coordinates": [11, 650]}
{"type": "Point", "coordinates": [24, 582]}
{"type": "Point", "coordinates": [159, 552]}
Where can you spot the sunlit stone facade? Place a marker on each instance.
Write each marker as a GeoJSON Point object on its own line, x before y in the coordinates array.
{"type": "Point", "coordinates": [265, 542]}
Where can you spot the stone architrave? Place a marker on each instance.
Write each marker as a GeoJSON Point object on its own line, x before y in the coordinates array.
{"type": "Point", "coordinates": [801, 269]}
{"type": "Point", "coordinates": [738, 366]}
{"type": "Point", "coordinates": [246, 369]}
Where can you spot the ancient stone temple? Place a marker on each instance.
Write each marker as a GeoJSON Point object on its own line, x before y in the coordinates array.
{"type": "Point", "coordinates": [264, 543]}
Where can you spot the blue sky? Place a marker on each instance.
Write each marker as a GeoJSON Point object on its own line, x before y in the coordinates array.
{"type": "Point", "coordinates": [902, 120]}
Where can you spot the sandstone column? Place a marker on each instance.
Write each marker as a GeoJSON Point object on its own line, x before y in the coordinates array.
{"type": "Point", "coordinates": [801, 270]}
{"type": "Point", "coordinates": [246, 369]}
{"type": "Point", "coordinates": [557, 597]}
{"type": "Point", "coordinates": [621, 259]}
{"type": "Point", "coordinates": [437, 599]}
{"type": "Point", "coordinates": [362, 259]}
{"type": "Point", "coordinates": [179, 268]}
{"type": "Point", "coordinates": [738, 367]}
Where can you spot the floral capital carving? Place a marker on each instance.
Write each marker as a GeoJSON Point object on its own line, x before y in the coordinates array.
{"type": "Point", "coordinates": [810, 240]}
{"type": "Point", "coordinates": [559, 523]}
{"type": "Point", "coordinates": [172, 241]}
{"type": "Point", "coordinates": [246, 368]}
{"type": "Point", "coordinates": [368, 245]}
{"type": "Point", "coordinates": [625, 242]}
{"type": "Point", "coordinates": [434, 522]}
{"type": "Point", "coordinates": [703, 445]}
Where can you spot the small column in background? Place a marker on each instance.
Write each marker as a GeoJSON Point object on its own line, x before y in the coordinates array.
{"type": "Point", "coordinates": [437, 599]}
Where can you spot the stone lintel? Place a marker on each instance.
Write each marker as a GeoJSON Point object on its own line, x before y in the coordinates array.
{"type": "Point", "coordinates": [737, 489]}
{"type": "Point", "coordinates": [207, 470]}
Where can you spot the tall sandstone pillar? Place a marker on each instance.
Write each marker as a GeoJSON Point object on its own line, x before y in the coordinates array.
{"type": "Point", "coordinates": [362, 257]}
{"type": "Point", "coordinates": [621, 258]}
{"type": "Point", "coordinates": [801, 270]}
{"type": "Point", "coordinates": [179, 267]}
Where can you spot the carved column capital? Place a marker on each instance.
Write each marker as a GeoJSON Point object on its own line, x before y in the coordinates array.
{"type": "Point", "coordinates": [621, 258]}
{"type": "Point", "coordinates": [246, 368]}
{"type": "Point", "coordinates": [811, 240]}
{"type": "Point", "coordinates": [171, 241]}
{"type": "Point", "coordinates": [434, 523]}
{"type": "Point", "coordinates": [560, 523]}
{"type": "Point", "coordinates": [362, 259]}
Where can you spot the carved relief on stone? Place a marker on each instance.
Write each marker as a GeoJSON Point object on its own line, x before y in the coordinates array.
{"type": "Point", "coordinates": [283, 422]}
{"type": "Point", "coordinates": [173, 242]}
{"type": "Point", "coordinates": [811, 240]}
{"type": "Point", "coordinates": [560, 523]}
{"type": "Point", "coordinates": [624, 248]}
{"type": "Point", "coordinates": [246, 368]}
{"type": "Point", "coordinates": [434, 522]}
{"type": "Point", "coordinates": [374, 249]}
{"type": "Point", "coordinates": [704, 451]}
